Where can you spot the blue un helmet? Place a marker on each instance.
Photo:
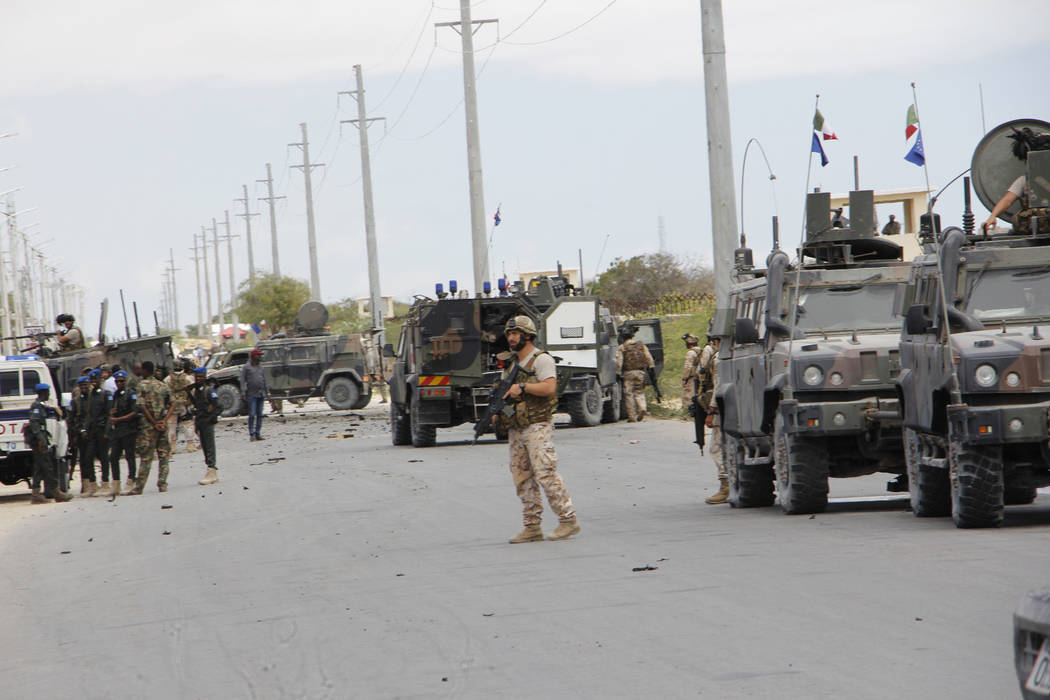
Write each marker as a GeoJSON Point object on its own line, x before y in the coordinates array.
{"type": "Point", "coordinates": [42, 387]}
{"type": "Point", "coordinates": [120, 374]}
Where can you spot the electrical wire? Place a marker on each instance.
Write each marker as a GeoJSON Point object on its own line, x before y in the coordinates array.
{"type": "Point", "coordinates": [411, 55]}
{"type": "Point", "coordinates": [566, 33]}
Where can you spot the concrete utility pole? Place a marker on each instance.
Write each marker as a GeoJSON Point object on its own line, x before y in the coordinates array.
{"type": "Point", "coordinates": [218, 278]}
{"type": "Point", "coordinates": [197, 276]}
{"type": "Point", "coordinates": [27, 283]}
{"type": "Point", "coordinates": [233, 285]}
{"type": "Point", "coordinates": [18, 327]}
{"type": "Point", "coordinates": [465, 27]}
{"type": "Point", "coordinates": [207, 284]}
{"type": "Point", "coordinates": [248, 235]}
{"type": "Point", "coordinates": [311, 237]}
{"type": "Point", "coordinates": [273, 218]}
{"type": "Point", "coordinates": [5, 321]}
{"type": "Point", "coordinates": [719, 155]}
{"type": "Point", "coordinates": [174, 292]}
{"type": "Point", "coordinates": [362, 122]}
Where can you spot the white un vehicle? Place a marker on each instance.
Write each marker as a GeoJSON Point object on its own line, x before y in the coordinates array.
{"type": "Point", "coordinates": [19, 375]}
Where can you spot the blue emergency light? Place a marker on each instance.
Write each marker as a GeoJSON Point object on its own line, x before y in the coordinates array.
{"type": "Point", "coordinates": [452, 286]}
{"type": "Point", "coordinates": [486, 287]}
{"type": "Point", "coordinates": [501, 283]}
{"type": "Point", "coordinates": [22, 357]}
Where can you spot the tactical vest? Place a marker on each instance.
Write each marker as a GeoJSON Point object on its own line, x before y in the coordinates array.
{"type": "Point", "coordinates": [532, 409]}
{"type": "Point", "coordinates": [634, 356]}
{"type": "Point", "coordinates": [1024, 218]}
{"type": "Point", "coordinates": [707, 381]}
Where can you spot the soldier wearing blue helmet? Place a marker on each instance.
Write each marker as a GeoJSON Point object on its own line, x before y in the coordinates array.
{"type": "Point", "coordinates": [39, 439]}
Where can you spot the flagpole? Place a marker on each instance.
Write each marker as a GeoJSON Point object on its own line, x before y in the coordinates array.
{"type": "Point", "coordinates": [925, 170]}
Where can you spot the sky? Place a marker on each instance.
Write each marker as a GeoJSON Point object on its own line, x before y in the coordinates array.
{"type": "Point", "coordinates": [138, 123]}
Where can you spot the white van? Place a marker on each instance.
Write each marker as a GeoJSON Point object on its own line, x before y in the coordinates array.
{"type": "Point", "coordinates": [19, 375]}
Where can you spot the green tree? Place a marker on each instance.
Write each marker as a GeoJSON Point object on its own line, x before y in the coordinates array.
{"type": "Point", "coordinates": [343, 317]}
{"type": "Point", "coordinates": [272, 298]}
{"type": "Point", "coordinates": [649, 278]}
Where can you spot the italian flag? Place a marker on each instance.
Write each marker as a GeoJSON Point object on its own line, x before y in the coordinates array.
{"type": "Point", "coordinates": [913, 123]}
{"type": "Point", "coordinates": [821, 125]}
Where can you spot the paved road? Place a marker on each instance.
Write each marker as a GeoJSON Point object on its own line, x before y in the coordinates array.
{"type": "Point", "coordinates": [329, 564]}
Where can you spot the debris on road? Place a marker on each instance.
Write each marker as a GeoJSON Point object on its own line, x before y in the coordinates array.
{"type": "Point", "coordinates": [166, 532]}
{"type": "Point", "coordinates": [647, 567]}
{"type": "Point", "coordinates": [168, 506]}
{"type": "Point", "coordinates": [64, 551]}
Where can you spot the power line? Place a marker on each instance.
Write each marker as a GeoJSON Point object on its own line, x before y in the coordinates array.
{"type": "Point", "coordinates": [411, 55]}
{"type": "Point", "coordinates": [566, 33]}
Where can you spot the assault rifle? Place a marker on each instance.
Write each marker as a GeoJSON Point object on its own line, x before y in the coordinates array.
{"type": "Point", "coordinates": [497, 404]}
{"type": "Point", "coordinates": [699, 414]}
{"type": "Point", "coordinates": [656, 387]}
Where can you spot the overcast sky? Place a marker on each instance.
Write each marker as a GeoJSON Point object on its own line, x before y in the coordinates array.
{"type": "Point", "coordinates": [139, 122]}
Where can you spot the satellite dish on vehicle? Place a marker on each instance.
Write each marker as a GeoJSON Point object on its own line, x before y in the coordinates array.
{"type": "Point", "coordinates": [994, 167]}
{"type": "Point", "coordinates": [312, 316]}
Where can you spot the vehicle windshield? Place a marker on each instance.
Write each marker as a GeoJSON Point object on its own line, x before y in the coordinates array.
{"type": "Point", "coordinates": [995, 295]}
{"type": "Point", "coordinates": [847, 307]}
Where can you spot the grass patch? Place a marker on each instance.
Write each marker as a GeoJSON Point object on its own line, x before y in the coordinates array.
{"type": "Point", "coordinates": [673, 328]}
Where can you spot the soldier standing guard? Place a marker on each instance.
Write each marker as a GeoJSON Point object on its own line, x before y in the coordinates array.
{"type": "Point", "coordinates": [691, 387]}
{"type": "Point", "coordinates": [533, 461]}
{"type": "Point", "coordinates": [633, 361]}
{"type": "Point", "coordinates": [709, 367]}
{"type": "Point", "coordinates": [95, 430]}
{"type": "Point", "coordinates": [40, 441]}
{"type": "Point", "coordinates": [154, 406]}
{"type": "Point", "coordinates": [206, 412]}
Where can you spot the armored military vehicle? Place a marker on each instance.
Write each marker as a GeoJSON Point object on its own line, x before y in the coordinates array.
{"type": "Point", "coordinates": [450, 353]}
{"type": "Point", "coordinates": [311, 362]}
{"type": "Point", "coordinates": [806, 400]}
{"type": "Point", "coordinates": [975, 352]}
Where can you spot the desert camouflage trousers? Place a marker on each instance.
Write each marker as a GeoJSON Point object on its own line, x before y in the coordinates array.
{"type": "Point", "coordinates": [714, 447]}
{"type": "Point", "coordinates": [152, 442]}
{"type": "Point", "coordinates": [534, 464]}
{"type": "Point", "coordinates": [634, 391]}
{"type": "Point", "coordinates": [181, 436]}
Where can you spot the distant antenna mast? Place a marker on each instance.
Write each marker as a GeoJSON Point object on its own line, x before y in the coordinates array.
{"type": "Point", "coordinates": [661, 234]}
{"type": "Point", "coordinates": [980, 95]}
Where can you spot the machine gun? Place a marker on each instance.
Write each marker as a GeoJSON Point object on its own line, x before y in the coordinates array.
{"type": "Point", "coordinates": [38, 337]}
{"type": "Point", "coordinates": [497, 404]}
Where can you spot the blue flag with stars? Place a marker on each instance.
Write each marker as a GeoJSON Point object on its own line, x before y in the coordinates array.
{"type": "Point", "coordinates": [916, 154]}
{"type": "Point", "coordinates": [817, 148]}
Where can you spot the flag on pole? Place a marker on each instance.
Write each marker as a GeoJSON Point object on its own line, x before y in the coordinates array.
{"type": "Point", "coordinates": [820, 124]}
{"type": "Point", "coordinates": [817, 148]}
{"type": "Point", "coordinates": [916, 154]}
{"type": "Point", "coordinates": [497, 218]}
{"type": "Point", "coordinates": [913, 123]}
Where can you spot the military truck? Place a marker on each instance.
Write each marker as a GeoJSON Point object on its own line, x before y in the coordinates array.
{"type": "Point", "coordinates": [452, 348]}
{"type": "Point", "coordinates": [975, 352]}
{"type": "Point", "coordinates": [311, 362]}
{"type": "Point", "coordinates": [806, 400]}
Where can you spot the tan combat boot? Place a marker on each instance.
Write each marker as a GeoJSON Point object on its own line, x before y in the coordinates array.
{"type": "Point", "coordinates": [564, 531]}
{"type": "Point", "coordinates": [103, 489]}
{"type": "Point", "coordinates": [60, 496]}
{"type": "Point", "coordinates": [37, 498]}
{"type": "Point", "coordinates": [88, 489]}
{"type": "Point", "coordinates": [531, 533]}
{"type": "Point", "coordinates": [722, 496]}
{"type": "Point", "coordinates": [129, 483]}
{"type": "Point", "coordinates": [114, 489]}
{"type": "Point", "coordinates": [210, 477]}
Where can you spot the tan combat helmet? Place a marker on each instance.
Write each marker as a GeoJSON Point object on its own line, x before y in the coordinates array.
{"type": "Point", "coordinates": [690, 339]}
{"type": "Point", "coordinates": [521, 323]}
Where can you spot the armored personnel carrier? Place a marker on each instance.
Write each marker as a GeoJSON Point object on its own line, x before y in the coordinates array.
{"type": "Point", "coordinates": [801, 401]}
{"type": "Point", "coordinates": [451, 348]}
{"type": "Point", "coordinates": [311, 362]}
{"type": "Point", "coordinates": [975, 352]}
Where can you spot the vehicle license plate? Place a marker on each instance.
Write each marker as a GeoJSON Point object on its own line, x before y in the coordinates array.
{"type": "Point", "coordinates": [1039, 678]}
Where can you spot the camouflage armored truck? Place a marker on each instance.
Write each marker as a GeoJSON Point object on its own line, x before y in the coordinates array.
{"type": "Point", "coordinates": [312, 362]}
{"type": "Point", "coordinates": [798, 410]}
{"type": "Point", "coordinates": [448, 356]}
{"type": "Point", "coordinates": [975, 352]}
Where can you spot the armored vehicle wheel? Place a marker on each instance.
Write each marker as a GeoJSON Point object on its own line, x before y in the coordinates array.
{"type": "Point", "coordinates": [586, 407]}
{"type": "Point", "coordinates": [364, 399]}
{"type": "Point", "coordinates": [801, 465]}
{"type": "Point", "coordinates": [931, 494]}
{"type": "Point", "coordinates": [400, 429]}
{"type": "Point", "coordinates": [422, 435]}
{"type": "Point", "coordinates": [1019, 495]}
{"type": "Point", "coordinates": [749, 487]}
{"type": "Point", "coordinates": [229, 400]}
{"type": "Point", "coordinates": [977, 485]}
{"type": "Point", "coordinates": [611, 408]}
{"type": "Point", "coordinates": [340, 393]}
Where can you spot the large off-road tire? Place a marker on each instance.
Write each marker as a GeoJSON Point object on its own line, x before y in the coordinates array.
{"type": "Point", "coordinates": [364, 399]}
{"type": "Point", "coordinates": [929, 488]}
{"type": "Point", "coordinates": [400, 428]}
{"type": "Point", "coordinates": [585, 408]}
{"type": "Point", "coordinates": [976, 475]}
{"type": "Point", "coordinates": [801, 465]}
{"type": "Point", "coordinates": [1019, 495]}
{"type": "Point", "coordinates": [749, 487]}
{"type": "Point", "coordinates": [422, 435]}
{"type": "Point", "coordinates": [611, 408]}
{"type": "Point", "coordinates": [230, 400]}
{"type": "Point", "coordinates": [341, 393]}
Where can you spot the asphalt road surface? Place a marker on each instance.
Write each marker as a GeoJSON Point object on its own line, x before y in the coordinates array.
{"type": "Point", "coordinates": [329, 564]}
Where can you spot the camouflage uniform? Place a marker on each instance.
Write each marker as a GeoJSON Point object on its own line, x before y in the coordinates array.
{"type": "Point", "coordinates": [179, 433]}
{"type": "Point", "coordinates": [533, 460]}
{"type": "Point", "coordinates": [709, 361]}
{"type": "Point", "coordinates": [690, 373]}
{"type": "Point", "coordinates": [632, 361]}
{"type": "Point", "coordinates": [152, 395]}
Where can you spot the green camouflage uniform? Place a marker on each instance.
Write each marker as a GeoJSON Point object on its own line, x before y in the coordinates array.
{"type": "Point", "coordinates": [152, 394]}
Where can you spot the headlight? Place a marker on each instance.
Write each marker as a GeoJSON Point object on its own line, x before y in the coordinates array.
{"type": "Point", "coordinates": [813, 375]}
{"type": "Point", "coordinates": [1013, 379]}
{"type": "Point", "coordinates": [985, 376]}
{"type": "Point", "coordinates": [835, 379]}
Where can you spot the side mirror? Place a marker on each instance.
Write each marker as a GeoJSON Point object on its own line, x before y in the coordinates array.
{"type": "Point", "coordinates": [745, 332]}
{"type": "Point", "coordinates": [916, 321]}
{"type": "Point", "coordinates": [388, 350]}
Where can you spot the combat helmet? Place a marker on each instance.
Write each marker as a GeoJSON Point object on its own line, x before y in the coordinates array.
{"type": "Point", "coordinates": [521, 323]}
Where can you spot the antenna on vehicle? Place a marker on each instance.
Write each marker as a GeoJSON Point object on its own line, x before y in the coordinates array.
{"type": "Point", "coordinates": [967, 216]}
{"type": "Point", "coordinates": [102, 322]}
{"type": "Point", "coordinates": [124, 308]}
{"type": "Point", "coordinates": [135, 310]}
{"type": "Point", "coordinates": [156, 323]}
{"type": "Point", "coordinates": [776, 232]}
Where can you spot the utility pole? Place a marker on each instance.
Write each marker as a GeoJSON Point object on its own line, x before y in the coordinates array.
{"type": "Point", "coordinates": [5, 322]}
{"type": "Point", "coordinates": [362, 123]}
{"type": "Point", "coordinates": [248, 236]}
{"type": "Point", "coordinates": [465, 27]}
{"type": "Point", "coordinates": [218, 277]}
{"type": "Point", "coordinates": [719, 156]}
{"type": "Point", "coordinates": [28, 282]}
{"type": "Point", "coordinates": [18, 328]}
{"type": "Point", "coordinates": [306, 167]}
{"type": "Point", "coordinates": [273, 218]}
{"type": "Point", "coordinates": [233, 285]}
{"type": "Point", "coordinates": [207, 284]}
{"type": "Point", "coordinates": [174, 297]}
{"type": "Point", "coordinates": [197, 276]}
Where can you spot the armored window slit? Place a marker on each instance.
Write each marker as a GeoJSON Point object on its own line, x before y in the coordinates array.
{"type": "Point", "coordinates": [869, 365]}
{"type": "Point", "coordinates": [1044, 364]}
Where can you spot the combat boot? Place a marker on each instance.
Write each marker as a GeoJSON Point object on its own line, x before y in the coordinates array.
{"type": "Point", "coordinates": [564, 531]}
{"type": "Point", "coordinates": [129, 484]}
{"type": "Point", "coordinates": [722, 496]}
{"type": "Point", "coordinates": [210, 477]}
{"type": "Point", "coordinates": [163, 488]}
{"type": "Point", "coordinates": [59, 495]}
{"type": "Point", "coordinates": [114, 488]}
{"type": "Point", "coordinates": [531, 533]}
{"type": "Point", "coordinates": [136, 488]}
{"type": "Point", "coordinates": [103, 489]}
{"type": "Point", "coordinates": [37, 498]}
{"type": "Point", "coordinates": [88, 489]}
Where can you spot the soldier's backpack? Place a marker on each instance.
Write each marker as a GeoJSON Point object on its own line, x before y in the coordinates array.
{"type": "Point", "coordinates": [634, 356]}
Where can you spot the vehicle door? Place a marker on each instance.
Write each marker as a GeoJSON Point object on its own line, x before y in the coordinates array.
{"type": "Point", "coordinates": [650, 333]}
{"type": "Point", "coordinates": [273, 364]}
{"type": "Point", "coordinates": [304, 365]}
{"type": "Point", "coordinates": [744, 368]}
